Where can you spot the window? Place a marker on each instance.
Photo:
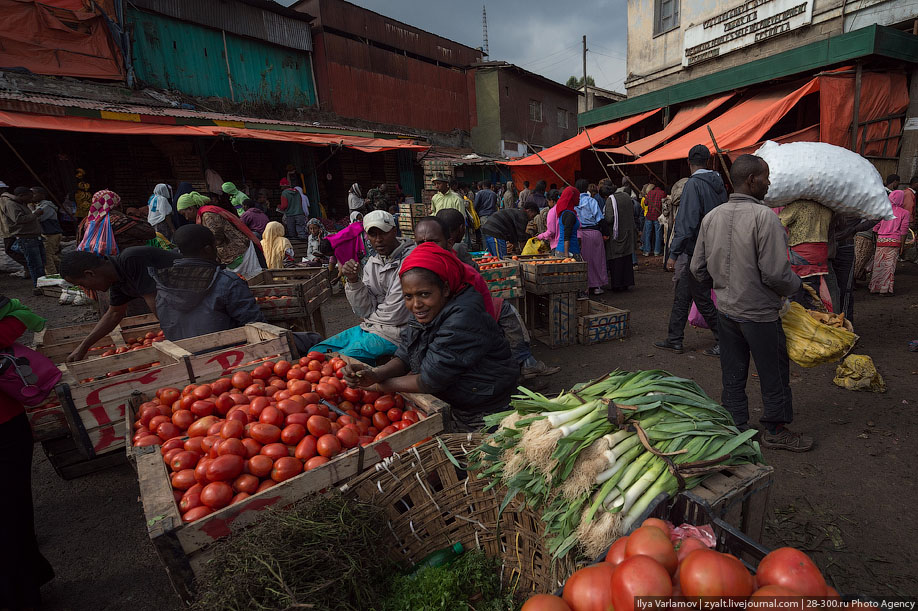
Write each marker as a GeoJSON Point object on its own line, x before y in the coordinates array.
{"type": "Point", "coordinates": [665, 16]}
{"type": "Point", "coordinates": [535, 111]}
{"type": "Point", "coordinates": [506, 91]}
{"type": "Point", "coordinates": [562, 118]}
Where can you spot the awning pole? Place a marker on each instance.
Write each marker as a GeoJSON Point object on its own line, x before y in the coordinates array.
{"type": "Point", "coordinates": [645, 166]}
{"type": "Point", "coordinates": [720, 156]}
{"type": "Point", "coordinates": [546, 163]}
{"type": "Point", "coordinates": [29, 168]}
{"type": "Point", "coordinates": [593, 148]}
{"type": "Point", "coordinates": [855, 119]}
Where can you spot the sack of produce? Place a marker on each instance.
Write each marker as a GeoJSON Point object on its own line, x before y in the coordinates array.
{"type": "Point", "coordinates": [811, 343]}
{"type": "Point", "coordinates": [857, 372]}
{"type": "Point", "coordinates": [835, 177]}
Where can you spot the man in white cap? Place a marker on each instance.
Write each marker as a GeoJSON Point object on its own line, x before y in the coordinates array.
{"type": "Point", "coordinates": [376, 297]}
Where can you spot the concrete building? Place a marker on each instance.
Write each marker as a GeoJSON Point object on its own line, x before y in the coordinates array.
{"type": "Point", "coordinates": [515, 106]}
{"type": "Point", "coordinates": [597, 97]}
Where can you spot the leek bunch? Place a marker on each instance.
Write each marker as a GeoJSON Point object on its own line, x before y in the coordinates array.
{"type": "Point", "coordinates": [594, 458]}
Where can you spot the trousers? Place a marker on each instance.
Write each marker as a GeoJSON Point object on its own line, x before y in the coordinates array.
{"type": "Point", "coordinates": [766, 343]}
{"type": "Point", "coordinates": [52, 253]}
{"type": "Point", "coordinates": [688, 289]}
{"type": "Point", "coordinates": [841, 270]}
{"type": "Point", "coordinates": [296, 226]}
{"type": "Point", "coordinates": [33, 249]}
{"type": "Point", "coordinates": [653, 236]}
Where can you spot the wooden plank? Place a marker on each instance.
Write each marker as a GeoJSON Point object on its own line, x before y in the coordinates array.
{"type": "Point", "coordinates": [48, 420]}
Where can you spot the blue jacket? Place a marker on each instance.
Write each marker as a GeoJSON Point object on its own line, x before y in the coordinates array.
{"type": "Point", "coordinates": [703, 192]}
{"type": "Point", "coordinates": [195, 297]}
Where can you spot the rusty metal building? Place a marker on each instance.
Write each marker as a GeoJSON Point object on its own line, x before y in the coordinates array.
{"type": "Point", "coordinates": [377, 69]}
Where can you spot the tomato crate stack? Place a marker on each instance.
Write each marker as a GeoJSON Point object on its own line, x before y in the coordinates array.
{"type": "Point", "coordinates": [553, 275]}
{"type": "Point", "coordinates": [259, 436]}
{"type": "Point", "coordinates": [502, 277]}
{"type": "Point", "coordinates": [409, 215]}
{"type": "Point", "coordinates": [94, 393]}
{"type": "Point", "coordinates": [599, 322]}
{"type": "Point", "coordinates": [293, 296]}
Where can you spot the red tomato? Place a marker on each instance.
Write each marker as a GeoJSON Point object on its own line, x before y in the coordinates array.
{"type": "Point", "coordinates": [616, 554]}
{"type": "Point", "coordinates": [172, 444]}
{"type": "Point", "coordinates": [240, 415]}
{"type": "Point", "coordinates": [240, 496]}
{"type": "Point", "coordinates": [370, 396]}
{"type": "Point", "coordinates": [281, 368]}
{"type": "Point", "coordinates": [706, 572]}
{"type": "Point", "coordinates": [183, 418]}
{"type": "Point", "coordinates": [380, 420]}
{"type": "Point", "coordinates": [792, 569]}
{"type": "Point", "coordinates": [264, 433]}
{"type": "Point", "coordinates": [184, 479]}
{"type": "Point", "coordinates": [394, 414]}
{"type": "Point", "coordinates": [661, 524]}
{"type": "Point", "coordinates": [271, 415]}
{"type": "Point", "coordinates": [588, 589]}
{"type": "Point", "coordinates": [224, 468]}
{"type": "Point", "coordinates": [155, 421]}
{"type": "Point", "coordinates": [328, 446]}
{"type": "Point", "coordinates": [254, 390]}
{"type": "Point", "coordinates": [202, 392]}
{"type": "Point", "coordinates": [232, 429]}
{"type": "Point", "coordinates": [275, 451]}
{"type": "Point", "coordinates": [251, 446]}
{"type": "Point", "coordinates": [268, 483]}
{"type": "Point", "coordinates": [345, 420]}
{"type": "Point", "coordinates": [306, 448]}
{"type": "Point", "coordinates": [184, 460]}
{"type": "Point", "coordinates": [170, 454]}
{"type": "Point", "coordinates": [167, 430]}
{"type": "Point", "coordinates": [232, 446]}
{"type": "Point", "coordinates": [687, 546]}
{"type": "Point", "coordinates": [314, 365]}
{"type": "Point", "coordinates": [292, 434]}
{"type": "Point", "coordinates": [364, 440]}
{"type": "Point", "coordinates": [285, 468]}
{"type": "Point", "coordinates": [291, 406]}
{"type": "Point", "coordinates": [221, 386]}
{"type": "Point", "coordinates": [216, 495]}
{"type": "Point", "coordinates": [296, 374]}
{"type": "Point", "coordinates": [299, 387]}
{"type": "Point", "coordinates": [190, 501]}
{"type": "Point", "coordinates": [202, 408]}
{"type": "Point", "coordinates": [545, 602]}
{"type": "Point", "coordinates": [318, 425]}
{"type": "Point", "coordinates": [327, 370]}
{"type": "Point", "coordinates": [653, 542]}
{"type": "Point", "coordinates": [638, 576]}
{"type": "Point", "coordinates": [196, 513]}
{"type": "Point", "coordinates": [347, 437]}
{"type": "Point", "coordinates": [241, 379]}
{"type": "Point", "coordinates": [354, 395]}
{"type": "Point", "coordinates": [239, 398]}
{"type": "Point", "coordinates": [401, 424]}
{"type": "Point", "coordinates": [400, 402]}
{"type": "Point", "coordinates": [315, 461]}
{"type": "Point", "coordinates": [168, 395]}
{"type": "Point", "coordinates": [215, 428]}
{"type": "Point", "coordinates": [261, 373]}
{"type": "Point", "coordinates": [384, 403]}
{"type": "Point", "coordinates": [260, 465]}
{"type": "Point", "coordinates": [367, 410]}
{"type": "Point", "coordinates": [257, 405]}
{"type": "Point", "coordinates": [315, 355]}
{"type": "Point", "coordinates": [327, 390]}
{"type": "Point", "coordinates": [246, 483]}
{"type": "Point", "coordinates": [224, 403]}
{"type": "Point", "coordinates": [302, 418]}
{"type": "Point", "coordinates": [200, 426]}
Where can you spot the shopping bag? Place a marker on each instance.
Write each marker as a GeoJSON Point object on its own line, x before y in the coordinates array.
{"type": "Point", "coordinates": [535, 246]}
{"type": "Point", "coordinates": [99, 237]}
{"type": "Point", "coordinates": [695, 318]}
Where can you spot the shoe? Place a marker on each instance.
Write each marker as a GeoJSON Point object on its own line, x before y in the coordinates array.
{"type": "Point", "coordinates": [785, 439]}
{"type": "Point", "coordinates": [646, 254]}
{"type": "Point", "coordinates": [658, 254]}
{"type": "Point", "coordinates": [635, 266]}
{"type": "Point", "coordinates": [19, 274]}
{"type": "Point", "coordinates": [37, 292]}
{"type": "Point", "coordinates": [715, 351]}
{"type": "Point", "coordinates": [668, 345]}
{"type": "Point", "coordinates": [597, 291]}
{"type": "Point", "coordinates": [539, 369]}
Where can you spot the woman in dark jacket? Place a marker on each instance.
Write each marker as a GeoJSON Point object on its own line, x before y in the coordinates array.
{"type": "Point", "coordinates": [23, 569]}
{"type": "Point", "coordinates": [453, 350]}
{"type": "Point", "coordinates": [620, 245]}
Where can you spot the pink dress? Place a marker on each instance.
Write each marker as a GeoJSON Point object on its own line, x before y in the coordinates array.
{"type": "Point", "coordinates": [551, 233]}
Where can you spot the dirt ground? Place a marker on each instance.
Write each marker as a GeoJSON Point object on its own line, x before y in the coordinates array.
{"type": "Point", "coordinates": [844, 503]}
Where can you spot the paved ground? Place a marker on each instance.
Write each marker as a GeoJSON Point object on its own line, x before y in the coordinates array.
{"type": "Point", "coordinates": [845, 502]}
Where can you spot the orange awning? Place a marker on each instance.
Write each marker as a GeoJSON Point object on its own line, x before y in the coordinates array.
{"type": "Point", "coordinates": [686, 116]}
{"type": "Point", "coordinates": [136, 128]}
{"type": "Point", "coordinates": [807, 134]}
{"type": "Point", "coordinates": [739, 127]}
{"type": "Point", "coordinates": [581, 141]}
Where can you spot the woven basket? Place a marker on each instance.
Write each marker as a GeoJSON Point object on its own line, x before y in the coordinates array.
{"type": "Point", "coordinates": [432, 504]}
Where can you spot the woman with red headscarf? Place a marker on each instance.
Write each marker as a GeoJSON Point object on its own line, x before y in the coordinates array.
{"type": "Point", "coordinates": [454, 348]}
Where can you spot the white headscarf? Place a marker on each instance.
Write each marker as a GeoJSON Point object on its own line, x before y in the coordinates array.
{"type": "Point", "coordinates": [159, 204]}
{"type": "Point", "coordinates": [304, 200]}
{"type": "Point", "coordinates": [355, 189]}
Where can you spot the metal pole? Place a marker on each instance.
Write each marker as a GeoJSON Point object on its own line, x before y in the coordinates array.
{"type": "Point", "coordinates": [646, 167]}
{"type": "Point", "coordinates": [857, 107]}
{"type": "Point", "coordinates": [721, 157]}
{"type": "Point", "coordinates": [546, 163]}
{"type": "Point", "coordinates": [229, 74]}
{"type": "Point", "coordinates": [29, 168]}
{"type": "Point", "coordinates": [586, 98]}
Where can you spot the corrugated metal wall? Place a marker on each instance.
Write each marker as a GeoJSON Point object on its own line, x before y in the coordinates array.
{"type": "Point", "coordinates": [172, 54]}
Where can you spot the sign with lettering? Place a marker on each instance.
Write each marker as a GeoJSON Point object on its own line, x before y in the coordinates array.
{"type": "Point", "coordinates": [750, 22]}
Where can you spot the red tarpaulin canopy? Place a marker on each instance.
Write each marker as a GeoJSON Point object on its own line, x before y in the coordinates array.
{"type": "Point", "coordinates": [739, 127]}
{"type": "Point", "coordinates": [565, 157]}
{"type": "Point", "coordinates": [103, 126]}
{"type": "Point", "coordinates": [807, 134]}
{"type": "Point", "coordinates": [686, 116]}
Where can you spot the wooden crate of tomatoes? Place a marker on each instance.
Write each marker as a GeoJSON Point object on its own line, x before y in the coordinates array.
{"type": "Point", "coordinates": [95, 393]}
{"type": "Point", "coordinates": [211, 456]}
{"type": "Point", "coordinates": [57, 343]}
{"type": "Point", "coordinates": [502, 277]}
{"type": "Point", "coordinates": [553, 275]}
{"type": "Point", "coordinates": [293, 296]}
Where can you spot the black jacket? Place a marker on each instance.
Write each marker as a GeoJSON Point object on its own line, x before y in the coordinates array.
{"type": "Point", "coordinates": [507, 224]}
{"type": "Point", "coordinates": [462, 356]}
{"type": "Point", "coordinates": [703, 192]}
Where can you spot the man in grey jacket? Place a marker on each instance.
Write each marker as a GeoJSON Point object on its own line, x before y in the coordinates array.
{"type": "Point", "coordinates": [742, 250]}
{"type": "Point", "coordinates": [377, 297]}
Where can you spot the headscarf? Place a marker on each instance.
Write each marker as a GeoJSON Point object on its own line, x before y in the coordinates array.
{"type": "Point", "coordinates": [356, 216]}
{"type": "Point", "coordinates": [446, 265]}
{"type": "Point", "coordinates": [355, 189]}
{"type": "Point", "coordinates": [229, 188]}
{"type": "Point", "coordinates": [15, 308]}
{"type": "Point", "coordinates": [305, 200]}
{"type": "Point", "coordinates": [322, 231]}
{"type": "Point", "coordinates": [588, 210]}
{"type": "Point", "coordinates": [189, 200]}
{"type": "Point", "coordinates": [284, 182]}
{"type": "Point", "coordinates": [102, 202]}
{"type": "Point", "coordinates": [897, 198]}
{"type": "Point", "coordinates": [158, 204]}
{"type": "Point", "coordinates": [274, 245]}
{"type": "Point", "coordinates": [567, 201]}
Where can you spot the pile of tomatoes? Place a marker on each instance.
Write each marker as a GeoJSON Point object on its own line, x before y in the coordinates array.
{"type": "Point", "coordinates": [646, 563]}
{"type": "Point", "coordinates": [239, 435]}
{"type": "Point", "coordinates": [141, 341]}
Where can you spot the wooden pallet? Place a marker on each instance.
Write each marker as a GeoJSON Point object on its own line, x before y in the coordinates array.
{"type": "Point", "coordinates": [185, 548]}
{"type": "Point", "coordinates": [555, 277]}
{"type": "Point", "coordinates": [551, 318]}
{"type": "Point", "coordinates": [95, 409]}
{"type": "Point", "coordinates": [599, 322]}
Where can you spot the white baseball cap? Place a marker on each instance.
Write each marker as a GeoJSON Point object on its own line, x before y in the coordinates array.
{"type": "Point", "coordinates": [380, 219]}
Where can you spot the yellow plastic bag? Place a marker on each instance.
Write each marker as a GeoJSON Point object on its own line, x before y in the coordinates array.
{"type": "Point", "coordinates": [535, 246]}
{"type": "Point", "coordinates": [476, 222]}
{"type": "Point", "coordinates": [857, 372]}
{"type": "Point", "coordinates": [811, 343]}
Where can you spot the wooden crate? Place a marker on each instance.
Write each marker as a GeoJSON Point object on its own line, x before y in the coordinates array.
{"type": "Point", "coordinates": [185, 548]}
{"type": "Point", "coordinates": [414, 211]}
{"type": "Point", "coordinates": [312, 288]}
{"type": "Point", "coordinates": [545, 278]}
{"type": "Point", "coordinates": [739, 496]}
{"type": "Point", "coordinates": [503, 281]}
{"type": "Point", "coordinates": [551, 318]}
{"type": "Point", "coordinates": [599, 322]}
{"type": "Point", "coordinates": [95, 409]}
{"type": "Point", "coordinates": [58, 343]}
{"type": "Point", "coordinates": [47, 420]}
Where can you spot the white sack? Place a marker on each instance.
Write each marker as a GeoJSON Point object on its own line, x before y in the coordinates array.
{"type": "Point", "coordinates": [835, 177]}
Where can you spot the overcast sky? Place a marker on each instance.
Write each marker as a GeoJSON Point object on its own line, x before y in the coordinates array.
{"type": "Point", "coordinates": [543, 36]}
